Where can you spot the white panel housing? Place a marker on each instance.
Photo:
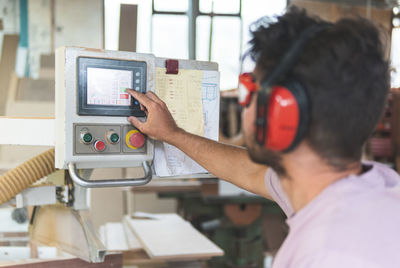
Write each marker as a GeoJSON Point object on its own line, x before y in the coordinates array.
{"type": "Point", "coordinates": [66, 110]}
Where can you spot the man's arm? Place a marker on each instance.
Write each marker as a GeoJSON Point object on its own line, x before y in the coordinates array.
{"type": "Point", "coordinates": [226, 162]}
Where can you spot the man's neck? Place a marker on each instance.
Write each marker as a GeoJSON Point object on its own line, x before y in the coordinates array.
{"type": "Point", "coordinates": [308, 175]}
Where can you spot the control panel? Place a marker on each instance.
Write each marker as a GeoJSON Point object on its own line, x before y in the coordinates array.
{"type": "Point", "coordinates": [92, 106]}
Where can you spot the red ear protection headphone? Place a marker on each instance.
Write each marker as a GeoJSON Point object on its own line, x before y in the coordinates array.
{"type": "Point", "coordinates": [283, 107]}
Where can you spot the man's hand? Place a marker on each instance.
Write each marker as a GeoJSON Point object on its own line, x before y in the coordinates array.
{"type": "Point", "coordinates": [160, 124]}
{"type": "Point", "coordinates": [226, 162]}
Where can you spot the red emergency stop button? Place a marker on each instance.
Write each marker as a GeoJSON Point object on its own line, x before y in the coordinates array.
{"type": "Point", "coordinates": [99, 146]}
{"type": "Point", "coordinates": [135, 139]}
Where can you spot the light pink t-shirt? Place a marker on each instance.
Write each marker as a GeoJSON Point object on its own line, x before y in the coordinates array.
{"type": "Point", "coordinates": [353, 223]}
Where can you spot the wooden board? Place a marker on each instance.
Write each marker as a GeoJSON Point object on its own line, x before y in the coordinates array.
{"type": "Point", "coordinates": [35, 90]}
{"type": "Point", "coordinates": [117, 236]}
{"type": "Point", "coordinates": [172, 238]}
{"type": "Point", "coordinates": [133, 242]}
{"type": "Point", "coordinates": [332, 11]}
{"type": "Point", "coordinates": [7, 66]}
{"type": "Point", "coordinates": [128, 27]}
{"type": "Point", "coordinates": [114, 237]}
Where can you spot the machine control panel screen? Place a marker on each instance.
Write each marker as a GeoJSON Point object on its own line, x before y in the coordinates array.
{"type": "Point", "coordinates": [108, 87]}
{"type": "Point", "coordinates": [102, 85]}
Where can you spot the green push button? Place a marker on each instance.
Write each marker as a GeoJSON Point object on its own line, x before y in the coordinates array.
{"type": "Point", "coordinates": [87, 138]}
{"type": "Point", "coordinates": [114, 138]}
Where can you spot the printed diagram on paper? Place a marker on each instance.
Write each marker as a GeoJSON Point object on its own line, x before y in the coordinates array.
{"type": "Point", "coordinates": [198, 107]}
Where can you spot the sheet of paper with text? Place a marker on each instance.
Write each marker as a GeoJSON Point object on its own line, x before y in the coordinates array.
{"type": "Point", "coordinates": [192, 96]}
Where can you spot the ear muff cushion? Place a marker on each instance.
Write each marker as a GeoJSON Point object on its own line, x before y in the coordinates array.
{"type": "Point", "coordinates": [287, 116]}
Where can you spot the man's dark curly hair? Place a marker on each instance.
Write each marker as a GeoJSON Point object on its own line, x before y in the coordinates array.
{"type": "Point", "coordinates": [344, 70]}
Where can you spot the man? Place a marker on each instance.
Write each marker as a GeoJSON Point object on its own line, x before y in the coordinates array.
{"type": "Point", "coordinates": [341, 212]}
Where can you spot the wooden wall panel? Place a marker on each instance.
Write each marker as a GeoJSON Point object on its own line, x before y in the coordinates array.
{"type": "Point", "coordinates": [128, 27]}
{"type": "Point", "coordinates": [334, 11]}
{"type": "Point", "coordinates": [7, 66]}
{"type": "Point", "coordinates": [331, 11]}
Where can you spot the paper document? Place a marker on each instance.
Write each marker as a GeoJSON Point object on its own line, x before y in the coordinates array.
{"type": "Point", "coordinates": [182, 94]}
{"type": "Point", "coordinates": [170, 161]}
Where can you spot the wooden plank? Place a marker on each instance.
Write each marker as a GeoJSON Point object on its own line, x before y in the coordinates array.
{"type": "Point", "coordinates": [172, 238]}
{"type": "Point", "coordinates": [111, 261]}
{"type": "Point", "coordinates": [133, 243]}
{"type": "Point", "coordinates": [47, 68]}
{"type": "Point", "coordinates": [7, 66]}
{"type": "Point", "coordinates": [117, 236]}
{"type": "Point", "coordinates": [334, 11]}
{"type": "Point", "coordinates": [18, 102]}
{"type": "Point", "coordinates": [128, 27]}
{"type": "Point", "coordinates": [35, 90]}
{"type": "Point", "coordinates": [27, 131]}
{"type": "Point", "coordinates": [115, 239]}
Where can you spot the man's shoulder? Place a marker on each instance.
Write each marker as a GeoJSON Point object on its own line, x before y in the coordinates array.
{"type": "Point", "coordinates": [366, 226]}
{"type": "Point", "coordinates": [330, 258]}
{"type": "Point", "coordinates": [339, 240]}
{"type": "Point", "coordinates": [355, 219]}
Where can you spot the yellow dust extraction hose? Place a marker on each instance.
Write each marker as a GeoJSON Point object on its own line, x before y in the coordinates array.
{"type": "Point", "coordinates": [21, 177]}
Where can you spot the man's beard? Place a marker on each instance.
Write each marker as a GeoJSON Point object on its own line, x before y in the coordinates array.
{"type": "Point", "coordinates": [264, 156]}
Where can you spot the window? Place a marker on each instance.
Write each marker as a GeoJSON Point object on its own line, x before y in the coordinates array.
{"type": "Point", "coordinates": [215, 30]}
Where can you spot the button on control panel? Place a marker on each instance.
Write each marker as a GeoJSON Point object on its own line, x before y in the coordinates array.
{"type": "Point", "coordinates": [99, 146]}
{"type": "Point", "coordinates": [113, 137]}
{"type": "Point", "coordinates": [134, 139]}
{"type": "Point", "coordinates": [108, 139]}
{"type": "Point", "coordinates": [86, 137]}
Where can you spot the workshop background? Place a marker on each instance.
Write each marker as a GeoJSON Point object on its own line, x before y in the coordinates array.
{"type": "Point", "coordinates": [248, 228]}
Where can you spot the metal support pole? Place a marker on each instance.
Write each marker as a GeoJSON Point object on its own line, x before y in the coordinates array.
{"type": "Point", "coordinates": [193, 13]}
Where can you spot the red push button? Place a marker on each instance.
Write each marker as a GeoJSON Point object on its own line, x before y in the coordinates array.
{"type": "Point", "coordinates": [99, 146]}
{"type": "Point", "coordinates": [137, 140]}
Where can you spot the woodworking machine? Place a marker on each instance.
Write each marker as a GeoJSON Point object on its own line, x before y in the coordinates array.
{"type": "Point", "coordinates": [90, 130]}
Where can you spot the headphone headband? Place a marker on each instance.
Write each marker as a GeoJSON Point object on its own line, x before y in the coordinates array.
{"type": "Point", "coordinates": [291, 56]}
